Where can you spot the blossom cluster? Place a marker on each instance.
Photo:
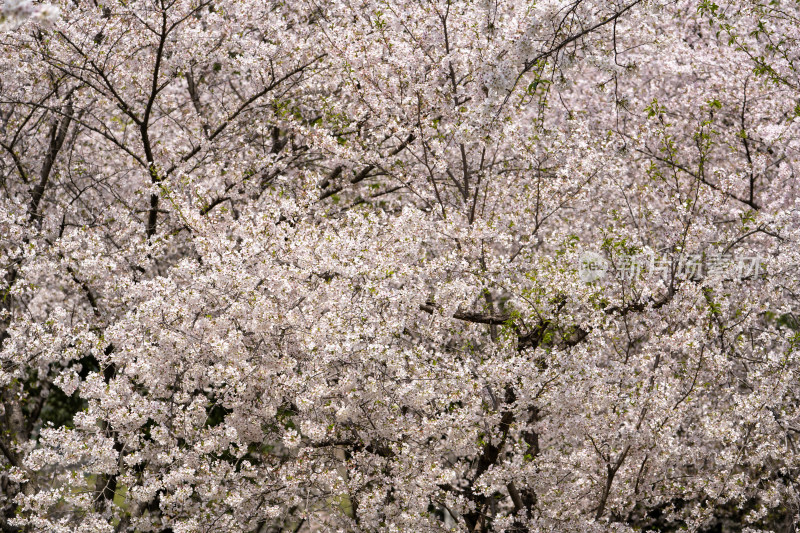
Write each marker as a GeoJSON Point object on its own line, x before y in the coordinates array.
{"type": "Point", "coordinates": [271, 266]}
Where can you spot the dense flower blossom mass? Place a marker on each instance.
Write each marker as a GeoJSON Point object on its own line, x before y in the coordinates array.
{"type": "Point", "coordinates": [399, 266]}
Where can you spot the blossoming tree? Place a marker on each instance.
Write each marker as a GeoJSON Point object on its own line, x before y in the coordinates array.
{"type": "Point", "coordinates": [321, 266]}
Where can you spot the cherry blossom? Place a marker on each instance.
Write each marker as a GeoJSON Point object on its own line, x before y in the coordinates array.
{"type": "Point", "coordinates": [300, 266]}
